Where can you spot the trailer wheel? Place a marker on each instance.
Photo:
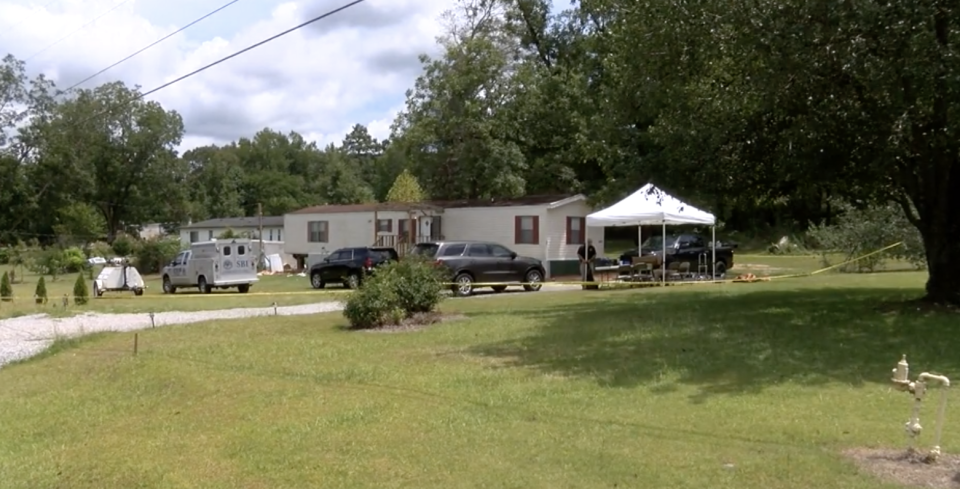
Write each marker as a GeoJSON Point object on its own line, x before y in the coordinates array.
{"type": "Point", "coordinates": [243, 289]}
{"type": "Point", "coordinates": [138, 292]}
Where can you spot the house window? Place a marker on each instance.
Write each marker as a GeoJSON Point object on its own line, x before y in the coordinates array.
{"type": "Point", "coordinates": [384, 225]}
{"type": "Point", "coordinates": [210, 235]}
{"type": "Point", "coordinates": [318, 232]}
{"type": "Point", "coordinates": [527, 230]}
{"type": "Point", "coordinates": [279, 235]}
{"type": "Point", "coordinates": [576, 231]}
{"type": "Point", "coordinates": [194, 236]}
{"type": "Point", "coordinates": [271, 235]}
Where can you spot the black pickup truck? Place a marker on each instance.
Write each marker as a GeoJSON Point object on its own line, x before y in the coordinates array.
{"type": "Point", "coordinates": [349, 265]}
{"type": "Point", "coordinates": [690, 248]}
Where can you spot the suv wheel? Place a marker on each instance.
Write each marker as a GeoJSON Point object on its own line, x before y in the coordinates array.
{"type": "Point", "coordinates": [464, 285]}
{"type": "Point", "coordinates": [533, 281]}
{"type": "Point", "coordinates": [352, 281]}
{"type": "Point", "coordinates": [317, 281]}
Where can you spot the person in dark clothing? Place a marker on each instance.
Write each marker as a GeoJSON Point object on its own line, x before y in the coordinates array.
{"type": "Point", "coordinates": [587, 253]}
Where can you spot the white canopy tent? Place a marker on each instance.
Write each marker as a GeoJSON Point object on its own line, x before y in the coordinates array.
{"type": "Point", "coordinates": [651, 206]}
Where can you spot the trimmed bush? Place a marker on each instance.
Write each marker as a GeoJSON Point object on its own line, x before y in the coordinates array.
{"type": "Point", "coordinates": [154, 253]}
{"type": "Point", "coordinates": [398, 291]}
{"type": "Point", "coordinates": [6, 290]}
{"type": "Point", "coordinates": [40, 294]}
{"type": "Point", "coordinates": [73, 259]}
{"type": "Point", "coordinates": [81, 295]}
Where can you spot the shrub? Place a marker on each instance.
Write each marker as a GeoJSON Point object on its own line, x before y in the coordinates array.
{"type": "Point", "coordinates": [124, 245]}
{"type": "Point", "coordinates": [99, 248]}
{"type": "Point", "coordinates": [40, 294]}
{"type": "Point", "coordinates": [6, 290]}
{"type": "Point", "coordinates": [73, 260]}
{"type": "Point", "coordinates": [858, 232]}
{"type": "Point", "coordinates": [48, 262]}
{"type": "Point", "coordinates": [397, 291]}
{"type": "Point", "coordinates": [81, 295]}
{"type": "Point", "coordinates": [154, 253]}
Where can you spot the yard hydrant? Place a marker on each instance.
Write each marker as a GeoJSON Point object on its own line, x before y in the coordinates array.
{"type": "Point", "coordinates": [901, 379]}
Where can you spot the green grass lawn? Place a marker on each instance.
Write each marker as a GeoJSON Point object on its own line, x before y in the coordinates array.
{"type": "Point", "coordinates": [281, 289]}
{"type": "Point", "coordinates": [741, 386]}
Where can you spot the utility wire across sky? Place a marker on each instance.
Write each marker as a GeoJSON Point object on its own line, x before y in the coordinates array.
{"type": "Point", "coordinates": [154, 43]}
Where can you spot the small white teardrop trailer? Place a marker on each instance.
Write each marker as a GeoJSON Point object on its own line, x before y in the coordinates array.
{"type": "Point", "coordinates": [118, 278]}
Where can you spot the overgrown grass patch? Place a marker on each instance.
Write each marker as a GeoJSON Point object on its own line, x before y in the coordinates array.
{"type": "Point", "coordinates": [742, 386]}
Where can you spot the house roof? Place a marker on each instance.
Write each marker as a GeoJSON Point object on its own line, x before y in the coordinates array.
{"type": "Point", "coordinates": [338, 209]}
{"type": "Point", "coordinates": [443, 204]}
{"type": "Point", "coordinates": [236, 223]}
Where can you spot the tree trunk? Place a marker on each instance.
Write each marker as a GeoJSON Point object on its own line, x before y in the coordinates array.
{"type": "Point", "coordinates": [940, 229]}
{"type": "Point", "coordinates": [943, 261]}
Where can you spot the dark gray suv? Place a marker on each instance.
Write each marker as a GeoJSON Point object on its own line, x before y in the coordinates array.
{"type": "Point", "coordinates": [476, 264]}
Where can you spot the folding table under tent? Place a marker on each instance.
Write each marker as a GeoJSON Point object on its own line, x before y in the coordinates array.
{"type": "Point", "coordinates": [651, 206]}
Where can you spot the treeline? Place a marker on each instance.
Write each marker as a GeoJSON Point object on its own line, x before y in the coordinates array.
{"type": "Point", "coordinates": [766, 113]}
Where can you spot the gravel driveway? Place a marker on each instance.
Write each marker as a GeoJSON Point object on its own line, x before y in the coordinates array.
{"type": "Point", "coordinates": [26, 336]}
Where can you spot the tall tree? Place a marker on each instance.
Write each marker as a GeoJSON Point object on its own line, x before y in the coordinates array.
{"type": "Point", "coordinates": [110, 148]}
{"type": "Point", "coordinates": [858, 99]}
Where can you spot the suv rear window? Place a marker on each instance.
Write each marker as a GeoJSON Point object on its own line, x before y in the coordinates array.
{"type": "Point", "coordinates": [454, 250]}
{"type": "Point", "coordinates": [428, 250]}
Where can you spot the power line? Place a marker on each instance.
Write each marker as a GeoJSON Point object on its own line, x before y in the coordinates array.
{"type": "Point", "coordinates": [158, 41]}
{"type": "Point", "coordinates": [234, 55]}
{"type": "Point", "coordinates": [64, 38]}
{"type": "Point", "coordinates": [254, 46]}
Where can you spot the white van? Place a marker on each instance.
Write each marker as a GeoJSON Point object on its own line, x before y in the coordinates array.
{"type": "Point", "coordinates": [212, 265]}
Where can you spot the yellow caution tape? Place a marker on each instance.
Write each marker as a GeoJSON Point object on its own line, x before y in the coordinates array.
{"type": "Point", "coordinates": [605, 284]}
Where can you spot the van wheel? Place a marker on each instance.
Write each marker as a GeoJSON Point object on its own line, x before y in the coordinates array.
{"type": "Point", "coordinates": [533, 281]}
{"type": "Point", "coordinates": [243, 289]}
{"type": "Point", "coordinates": [168, 287]}
{"type": "Point", "coordinates": [464, 285]}
{"type": "Point", "coordinates": [352, 281]}
{"type": "Point", "coordinates": [202, 285]}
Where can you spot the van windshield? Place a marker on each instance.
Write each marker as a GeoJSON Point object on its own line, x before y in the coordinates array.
{"type": "Point", "coordinates": [428, 250]}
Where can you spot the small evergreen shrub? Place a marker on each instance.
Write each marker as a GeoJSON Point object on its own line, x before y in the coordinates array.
{"type": "Point", "coordinates": [40, 294]}
{"type": "Point", "coordinates": [397, 291]}
{"type": "Point", "coordinates": [6, 290]}
{"type": "Point", "coordinates": [81, 295]}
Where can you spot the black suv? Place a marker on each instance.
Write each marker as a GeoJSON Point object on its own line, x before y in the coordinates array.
{"type": "Point", "coordinates": [475, 263]}
{"type": "Point", "coordinates": [349, 265]}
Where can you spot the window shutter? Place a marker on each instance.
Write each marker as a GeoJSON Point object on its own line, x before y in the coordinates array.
{"type": "Point", "coordinates": [536, 230]}
{"type": "Point", "coordinates": [516, 230]}
{"type": "Point", "coordinates": [569, 230]}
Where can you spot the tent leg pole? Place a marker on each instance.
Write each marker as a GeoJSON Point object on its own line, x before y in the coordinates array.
{"type": "Point", "coordinates": [713, 249]}
{"type": "Point", "coordinates": [663, 258]}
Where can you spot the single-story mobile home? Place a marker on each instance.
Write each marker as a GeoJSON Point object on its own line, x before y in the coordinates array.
{"type": "Point", "coordinates": [248, 226]}
{"type": "Point", "coordinates": [549, 228]}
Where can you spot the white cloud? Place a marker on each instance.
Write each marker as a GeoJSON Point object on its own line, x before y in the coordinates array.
{"type": "Point", "coordinates": [350, 68]}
